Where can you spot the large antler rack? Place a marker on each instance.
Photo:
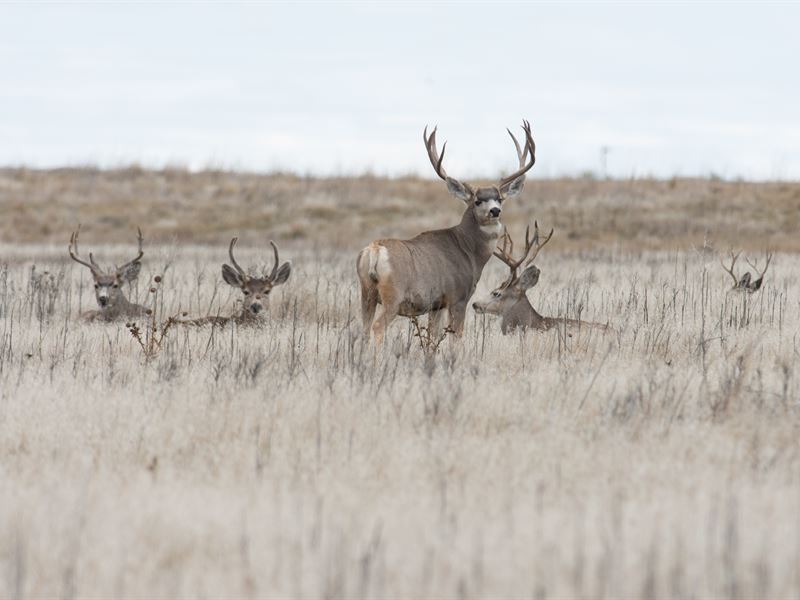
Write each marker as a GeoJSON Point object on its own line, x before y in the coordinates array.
{"type": "Point", "coordinates": [746, 282]}
{"type": "Point", "coordinates": [505, 250]}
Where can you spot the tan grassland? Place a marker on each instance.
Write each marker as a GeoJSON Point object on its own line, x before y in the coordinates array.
{"type": "Point", "coordinates": [211, 206]}
{"type": "Point", "coordinates": [660, 460]}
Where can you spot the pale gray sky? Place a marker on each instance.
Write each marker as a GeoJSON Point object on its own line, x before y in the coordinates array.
{"type": "Point", "coordinates": [682, 88]}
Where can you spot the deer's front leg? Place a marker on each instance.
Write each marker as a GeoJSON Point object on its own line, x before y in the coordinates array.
{"type": "Point", "coordinates": [458, 313]}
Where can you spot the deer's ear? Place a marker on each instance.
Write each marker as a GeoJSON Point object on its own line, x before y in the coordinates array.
{"type": "Point", "coordinates": [232, 276]}
{"type": "Point", "coordinates": [460, 190]}
{"type": "Point", "coordinates": [283, 273]}
{"type": "Point", "coordinates": [513, 188]}
{"type": "Point", "coordinates": [131, 272]}
{"type": "Point", "coordinates": [529, 277]}
{"type": "Point", "coordinates": [745, 280]}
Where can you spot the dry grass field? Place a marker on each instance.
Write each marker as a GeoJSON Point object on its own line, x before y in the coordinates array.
{"type": "Point", "coordinates": [211, 206]}
{"type": "Point", "coordinates": [659, 460]}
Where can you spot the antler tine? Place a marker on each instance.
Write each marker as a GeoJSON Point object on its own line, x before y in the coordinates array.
{"type": "Point", "coordinates": [529, 241]}
{"type": "Point", "coordinates": [734, 258]}
{"type": "Point", "coordinates": [73, 251]}
{"type": "Point", "coordinates": [138, 256]}
{"type": "Point", "coordinates": [277, 261]}
{"type": "Point", "coordinates": [530, 147]}
{"type": "Point", "coordinates": [538, 245]}
{"type": "Point", "coordinates": [433, 154]}
{"type": "Point", "coordinates": [766, 266]}
{"type": "Point", "coordinates": [503, 253]}
{"type": "Point", "coordinates": [233, 260]}
{"type": "Point", "coordinates": [769, 260]}
{"type": "Point", "coordinates": [522, 153]}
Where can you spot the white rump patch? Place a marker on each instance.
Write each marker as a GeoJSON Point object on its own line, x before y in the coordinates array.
{"type": "Point", "coordinates": [374, 262]}
{"type": "Point", "coordinates": [382, 266]}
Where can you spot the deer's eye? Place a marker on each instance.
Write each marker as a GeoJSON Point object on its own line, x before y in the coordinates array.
{"type": "Point", "coordinates": [478, 202]}
{"type": "Point", "coordinates": [115, 286]}
{"type": "Point", "coordinates": [246, 292]}
{"type": "Point", "coordinates": [496, 294]}
{"type": "Point", "coordinates": [97, 286]}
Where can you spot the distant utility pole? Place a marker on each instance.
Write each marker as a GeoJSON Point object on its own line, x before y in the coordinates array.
{"type": "Point", "coordinates": [604, 150]}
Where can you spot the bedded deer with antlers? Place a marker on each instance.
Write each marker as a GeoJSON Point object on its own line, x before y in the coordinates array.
{"type": "Point", "coordinates": [746, 283]}
{"type": "Point", "coordinates": [108, 284]}
{"type": "Point", "coordinates": [510, 300]}
{"type": "Point", "coordinates": [255, 290]}
{"type": "Point", "coordinates": [436, 272]}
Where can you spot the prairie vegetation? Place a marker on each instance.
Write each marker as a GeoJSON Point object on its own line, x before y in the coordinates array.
{"type": "Point", "coordinates": [662, 459]}
{"type": "Point", "coordinates": [213, 206]}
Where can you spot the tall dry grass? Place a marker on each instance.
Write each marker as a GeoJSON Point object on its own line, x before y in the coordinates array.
{"type": "Point", "coordinates": [661, 460]}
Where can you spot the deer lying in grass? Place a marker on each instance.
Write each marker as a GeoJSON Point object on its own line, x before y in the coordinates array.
{"type": "Point", "coordinates": [256, 290]}
{"type": "Point", "coordinates": [746, 282]}
{"type": "Point", "coordinates": [510, 300]}
{"type": "Point", "coordinates": [108, 285]}
{"type": "Point", "coordinates": [437, 271]}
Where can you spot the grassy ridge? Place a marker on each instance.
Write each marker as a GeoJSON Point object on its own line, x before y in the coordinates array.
{"type": "Point", "coordinates": [210, 207]}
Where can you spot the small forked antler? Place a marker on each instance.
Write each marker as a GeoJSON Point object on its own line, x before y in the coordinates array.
{"type": "Point", "coordinates": [74, 254]}
{"type": "Point", "coordinates": [277, 261]}
{"type": "Point", "coordinates": [138, 256]}
{"type": "Point", "coordinates": [734, 257]}
{"type": "Point", "coordinates": [235, 264]}
{"type": "Point", "coordinates": [522, 153]}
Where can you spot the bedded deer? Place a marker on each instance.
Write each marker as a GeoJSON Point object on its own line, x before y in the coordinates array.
{"type": "Point", "coordinates": [108, 284]}
{"type": "Point", "coordinates": [746, 282]}
{"type": "Point", "coordinates": [436, 272]}
{"type": "Point", "coordinates": [510, 300]}
{"type": "Point", "coordinates": [255, 290]}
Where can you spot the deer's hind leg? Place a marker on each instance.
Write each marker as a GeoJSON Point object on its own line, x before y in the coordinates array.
{"type": "Point", "coordinates": [368, 279]}
{"type": "Point", "coordinates": [369, 302]}
{"type": "Point", "coordinates": [390, 307]}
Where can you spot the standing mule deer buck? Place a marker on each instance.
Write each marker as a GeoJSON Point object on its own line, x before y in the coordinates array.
{"type": "Point", "coordinates": [510, 300]}
{"type": "Point", "coordinates": [746, 282]}
{"type": "Point", "coordinates": [108, 284]}
{"type": "Point", "coordinates": [437, 271]}
{"type": "Point", "coordinates": [256, 290]}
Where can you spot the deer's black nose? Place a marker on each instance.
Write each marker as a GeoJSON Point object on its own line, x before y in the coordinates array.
{"type": "Point", "coordinates": [495, 212]}
{"type": "Point", "coordinates": [256, 308]}
{"type": "Point", "coordinates": [103, 301]}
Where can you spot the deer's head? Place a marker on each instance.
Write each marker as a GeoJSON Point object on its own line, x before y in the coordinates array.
{"type": "Point", "coordinates": [486, 202]}
{"type": "Point", "coordinates": [256, 290]}
{"type": "Point", "coordinates": [523, 274]}
{"type": "Point", "coordinates": [108, 283]}
{"type": "Point", "coordinates": [746, 283]}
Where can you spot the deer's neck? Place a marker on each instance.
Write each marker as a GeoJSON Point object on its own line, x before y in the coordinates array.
{"type": "Point", "coordinates": [124, 307]}
{"type": "Point", "coordinates": [522, 315]}
{"type": "Point", "coordinates": [247, 317]}
{"type": "Point", "coordinates": [477, 240]}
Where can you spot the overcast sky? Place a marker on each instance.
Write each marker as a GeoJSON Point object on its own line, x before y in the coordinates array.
{"type": "Point", "coordinates": [682, 89]}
